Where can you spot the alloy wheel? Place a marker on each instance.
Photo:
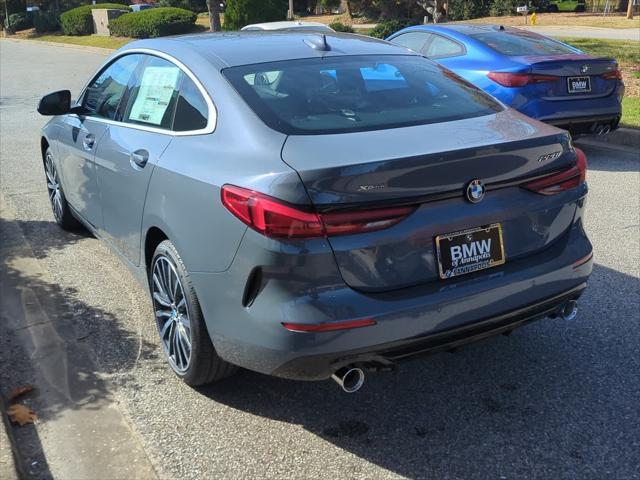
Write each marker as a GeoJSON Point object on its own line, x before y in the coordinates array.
{"type": "Point", "coordinates": [53, 187]}
{"type": "Point", "coordinates": [172, 315]}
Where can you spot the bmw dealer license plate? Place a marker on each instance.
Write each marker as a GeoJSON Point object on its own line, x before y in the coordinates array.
{"type": "Point", "coordinates": [579, 84]}
{"type": "Point", "coordinates": [470, 250]}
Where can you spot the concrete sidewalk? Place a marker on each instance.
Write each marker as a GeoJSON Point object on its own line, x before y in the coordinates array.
{"type": "Point", "coordinates": [80, 433]}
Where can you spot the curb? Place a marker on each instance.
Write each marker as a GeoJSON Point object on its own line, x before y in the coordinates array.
{"type": "Point", "coordinates": [102, 50]}
{"type": "Point", "coordinates": [626, 137]}
{"type": "Point", "coordinates": [10, 468]}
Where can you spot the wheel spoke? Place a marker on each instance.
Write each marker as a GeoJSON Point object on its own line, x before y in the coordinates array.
{"type": "Point", "coordinates": [163, 313]}
{"type": "Point", "coordinates": [185, 321]}
{"type": "Point", "coordinates": [162, 300]}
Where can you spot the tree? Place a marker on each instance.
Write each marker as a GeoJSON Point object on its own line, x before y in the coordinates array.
{"type": "Point", "coordinates": [213, 7]}
{"type": "Point", "coordinates": [244, 12]}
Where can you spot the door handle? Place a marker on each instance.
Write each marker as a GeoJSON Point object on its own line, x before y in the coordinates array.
{"type": "Point", "coordinates": [89, 141]}
{"type": "Point", "coordinates": [139, 159]}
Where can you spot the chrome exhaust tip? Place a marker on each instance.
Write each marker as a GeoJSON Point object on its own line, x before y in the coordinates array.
{"type": "Point", "coordinates": [606, 129]}
{"type": "Point", "coordinates": [569, 310]}
{"type": "Point", "coordinates": [599, 130]}
{"type": "Point", "coordinates": [350, 379]}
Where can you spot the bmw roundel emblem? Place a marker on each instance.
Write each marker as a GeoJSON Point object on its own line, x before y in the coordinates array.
{"type": "Point", "coordinates": [584, 69]}
{"type": "Point", "coordinates": [475, 191]}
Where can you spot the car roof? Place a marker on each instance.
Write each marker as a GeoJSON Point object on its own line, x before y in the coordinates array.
{"type": "Point", "coordinates": [229, 49]}
{"type": "Point", "coordinates": [288, 25]}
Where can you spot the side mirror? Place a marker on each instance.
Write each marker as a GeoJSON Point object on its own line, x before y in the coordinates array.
{"type": "Point", "coordinates": [56, 103]}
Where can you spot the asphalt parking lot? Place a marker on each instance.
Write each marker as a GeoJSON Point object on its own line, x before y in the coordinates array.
{"type": "Point", "coordinates": [553, 400]}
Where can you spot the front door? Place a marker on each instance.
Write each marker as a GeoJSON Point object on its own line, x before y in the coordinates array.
{"type": "Point", "coordinates": [82, 134]}
{"type": "Point", "coordinates": [76, 150]}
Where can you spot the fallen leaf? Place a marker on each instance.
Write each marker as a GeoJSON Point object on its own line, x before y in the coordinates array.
{"type": "Point", "coordinates": [21, 414]}
{"type": "Point", "coordinates": [16, 392]}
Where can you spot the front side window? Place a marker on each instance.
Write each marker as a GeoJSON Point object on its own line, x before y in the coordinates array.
{"type": "Point", "coordinates": [102, 97]}
{"type": "Point", "coordinates": [521, 43]}
{"type": "Point", "coordinates": [412, 40]}
{"type": "Point", "coordinates": [356, 93]}
{"type": "Point", "coordinates": [441, 47]}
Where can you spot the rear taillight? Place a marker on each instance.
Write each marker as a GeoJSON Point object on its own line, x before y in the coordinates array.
{"type": "Point", "coordinates": [561, 181]}
{"type": "Point", "coordinates": [273, 218]}
{"type": "Point", "coordinates": [613, 75]}
{"type": "Point", "coordinates": [507, 79]}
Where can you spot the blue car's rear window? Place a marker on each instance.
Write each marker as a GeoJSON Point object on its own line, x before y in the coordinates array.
{"type": "Point", "coordinates": [356, 93]}
{"type": "Point", "coordinates": [518, 43]}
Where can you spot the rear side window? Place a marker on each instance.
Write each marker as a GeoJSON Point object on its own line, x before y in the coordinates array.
{"type": "Point", "coordinates": [441, 47]}
{"type": "Point", "coordinates": [153, 97]}
{"type": "Point", "coordinates": [103, 95]}
{"type": "Point", "coordinates": [412, 40]}
{"type": "Point", "coordinates": [356, 93]}
{"type": "Point", "coordinates": [191, 109]}
{"type": "Point", "coordinates": [516, 44]}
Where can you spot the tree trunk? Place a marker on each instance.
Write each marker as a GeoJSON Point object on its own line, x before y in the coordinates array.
{"type": "Point", "coordinates": [213, 6]}
{"type": "Point", "coordinates": [630, 10]}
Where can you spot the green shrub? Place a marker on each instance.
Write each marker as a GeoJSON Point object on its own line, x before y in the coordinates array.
{"type": "Point", "coordinates": [500, 8]}
{"type": "Point", "coordinates": [387, 27]}
{"type": "Point", "coordinates": [466, 9]}
{"type": "Point", "coordinates": [239, 13]}
{"type": "Point", "coordinates": [341, 27]}
{"type": "Point", "coordinates": [155, 22]}
{"type": "Point", "coordinates": [21, 20]}
{"type": "Point", "coordinates": [46, 21]}
{"type": "Point", "coordinates": [78, 21]}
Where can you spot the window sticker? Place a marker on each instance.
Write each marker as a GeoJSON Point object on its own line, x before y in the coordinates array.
{"type": "Point", "coordinates": [156, 89]}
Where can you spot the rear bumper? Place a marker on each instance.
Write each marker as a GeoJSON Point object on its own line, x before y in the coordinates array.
{"type": "Point", "coordinates": [322, 366]}
{"type": "Point", "coordinates": [440, 314]}
{"type": "Point", "coordinates": [586, 125]}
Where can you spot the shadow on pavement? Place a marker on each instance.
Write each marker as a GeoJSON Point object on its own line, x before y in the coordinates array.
{"type": "Point", "coordinates": [599, 158]}
{"type": "Point", "coordinates": [44, 332]}
{"type": "Point", "coordinates": [502, 405]}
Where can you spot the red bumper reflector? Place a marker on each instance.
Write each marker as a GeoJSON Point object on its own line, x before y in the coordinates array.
{"type": "Point", "coordinates": [328, 327]}
{"type": "Point", "coordinates": [583, 260]}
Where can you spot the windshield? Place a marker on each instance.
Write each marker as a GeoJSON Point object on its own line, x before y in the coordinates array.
{"type": "Point", "coordinates": [520, 44]}
{"type": "Point", "coordinates": [356, 93]}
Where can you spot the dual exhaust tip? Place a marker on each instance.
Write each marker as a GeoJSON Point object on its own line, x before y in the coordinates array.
{"type": "Point", "coordinates": [602, 129]}
{"type": "Point", "coordinates": [351, 378]}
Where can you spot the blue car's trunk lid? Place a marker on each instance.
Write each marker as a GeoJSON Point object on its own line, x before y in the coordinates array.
{"type": "Point", "coordinates": [586, 72]}
{"type": "Point", "coordinates": [430, 166]}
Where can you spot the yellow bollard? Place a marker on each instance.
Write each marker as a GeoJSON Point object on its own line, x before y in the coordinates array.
{"type": "Point", "coordinates": [534, 19]}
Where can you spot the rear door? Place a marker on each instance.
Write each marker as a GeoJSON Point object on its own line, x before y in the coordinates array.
{"type": "Point", "coordinates": [131, 149]}
{"type": "Point", "coordinates": [81, 135]}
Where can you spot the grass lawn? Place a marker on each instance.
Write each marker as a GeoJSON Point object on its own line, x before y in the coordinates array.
{"type": "Point", "coordinates": [568, 19]}
{"type": "Point", "coordinates": [625, 51]}
{"type": "Point", "coordinates": [630, 112]}
{"type": "Point", "coordinates": [86, 40]}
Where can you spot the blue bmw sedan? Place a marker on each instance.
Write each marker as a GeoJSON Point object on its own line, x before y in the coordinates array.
{"type": "Point", "coordinates": [313, 206]}
{"type": "Point", "coordinates": [543, 78]}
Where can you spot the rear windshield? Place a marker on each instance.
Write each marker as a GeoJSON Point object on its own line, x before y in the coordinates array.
{"type": "Point", "coordinates": [517, 44]}
{"type": "Point", "coordinates": [356, 93]}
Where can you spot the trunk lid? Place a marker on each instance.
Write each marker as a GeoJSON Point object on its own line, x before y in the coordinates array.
{"type": "Point", "coordinates": [430, 166]}
{"type": "Point", "coordinates": [577, 67]}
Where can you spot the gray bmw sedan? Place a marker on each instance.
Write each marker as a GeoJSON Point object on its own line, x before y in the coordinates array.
{"type": "Point", "coordinates": [314, 205]}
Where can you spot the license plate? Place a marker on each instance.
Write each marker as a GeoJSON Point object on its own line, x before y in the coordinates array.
{"type": "Point", "coordinates": [579, 84]}
{"type": "Point", "coordinates": [470, 250]}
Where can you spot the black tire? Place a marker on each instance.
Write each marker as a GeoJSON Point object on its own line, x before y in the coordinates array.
{"type": "Point", "coordinates": [61, 212]}
{"type": "Point", "coordinates": [204, 364]}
